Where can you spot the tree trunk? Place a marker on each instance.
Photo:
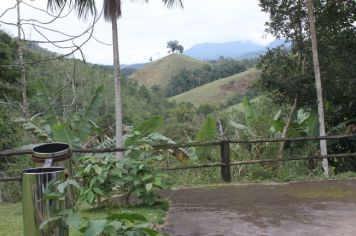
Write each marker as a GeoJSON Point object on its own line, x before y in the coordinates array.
{"type": "Point", "coordinates": [323, 147]}
{"type": "Point", "coordinates": [285, 130]}
{"type": "Point", "coordinates": [21, 64]}
{"type": "Point", "coordinates": [118, 111]}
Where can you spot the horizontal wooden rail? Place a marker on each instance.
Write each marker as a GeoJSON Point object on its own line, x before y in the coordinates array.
{"type": "Point", "coordinates": [7, 179]}
{"type": "Point", "coordinates": [194, 167]}
{"type": "Point", "coordinates": [182, 145]}
{"type": "Point", "coordinates": [98, 150]}
{"type": "Point", "coordinates": [247, 162]}
{"type": "Point", "coordinates": [343, 155]}
{"type": "Point", "coordinates": [108, 150]}
{"type": "Point", "coordinates": [296, 139]}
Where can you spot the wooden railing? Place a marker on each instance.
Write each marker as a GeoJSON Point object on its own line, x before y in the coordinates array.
{"type": "Point", "coordinates": [225, 163]}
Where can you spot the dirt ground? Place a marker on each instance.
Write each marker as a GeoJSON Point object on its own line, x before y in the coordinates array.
{"type": "Point", "coordinates": [304, 208]}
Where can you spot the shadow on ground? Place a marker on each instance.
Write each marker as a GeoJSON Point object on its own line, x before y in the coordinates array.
{"type": "Point", "coordinates": [305, 208]}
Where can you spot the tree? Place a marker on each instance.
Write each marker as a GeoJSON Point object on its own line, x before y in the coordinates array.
{"type": "Point", "coordinates": [323, 148]}
{"type": "Point", "coordinates": [285, 70]}
{"type": "Point", "coordinates": [174, 46]}
{"type": "Point", "coordinates": [21, 63]}
{"type": "Point", "coordinates": [112, 11]}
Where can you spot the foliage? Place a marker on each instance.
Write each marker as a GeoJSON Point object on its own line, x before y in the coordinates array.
{"type": "Point", "coordinates": [133, 175]}
{"type": "Point", "coordinates": [74, 131]}
{"type": "Point", "coordinates": [119, 224]}
{"type": "Point", "coordinates": [336, 47]}
{"type": "Point", "coordinates": [206, 133]}
{"type": "Point", "coordinates": [123, 223]}
{"type": "Point", "coordinates": [219, 91]}
{"type": "Point", "coordinates": [174, 46]}
{"type": "Point", "coordinates": [305, 124]}
{"type": "Point", "coordinates": [283, 72]}
{"type": "Point", "coordinates": [280, 74]}
{"type": "Point", "coordinates": [185, 79]}
{"type": "Point", "coordinates": [8, 74]}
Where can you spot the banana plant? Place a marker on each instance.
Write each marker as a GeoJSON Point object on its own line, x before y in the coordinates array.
{"type": "Point", "coordinates": [47, 126]}
{"type": "Point", "coordinates": [305, 124]}
{"type": "Point", "coordinates": [206, 133]}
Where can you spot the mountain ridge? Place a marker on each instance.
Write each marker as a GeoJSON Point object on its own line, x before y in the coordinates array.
{"type": "Point", "coordinates": [233, 49]}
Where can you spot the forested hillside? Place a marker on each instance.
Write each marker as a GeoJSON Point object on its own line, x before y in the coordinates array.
{"type": "Point", "coordinates": [72, 83]}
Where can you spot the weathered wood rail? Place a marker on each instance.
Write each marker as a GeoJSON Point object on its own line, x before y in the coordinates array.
{"type": "Point", "coordinates": [225, 152]}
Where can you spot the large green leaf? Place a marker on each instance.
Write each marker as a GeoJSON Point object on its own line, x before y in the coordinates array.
{"type": "Point", "coordinates": [158, 138]}
{"type": "Point", "coordinates": [207, 132]}
{"type": "Point", "coordinates": [95, 227]}
{"type": "Point", "coordinates": [39, 132]}
{"type": "Point", "coordinates": [143, 130]}
{"type": "Point", "coordinates": [248, 109]}
{"type": "Point", "coordinates": [73, 219]}
{"type": "Point", "coordinates": [90, 115]}
{"type": "Point", "coordinates": [43, 96]}
{"type": "Point", "coordinates": [63, 134]}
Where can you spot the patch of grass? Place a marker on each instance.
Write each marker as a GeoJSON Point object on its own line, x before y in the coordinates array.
{"type": "Point", "coordinates": [195, 177]}
{"type": "Point", "coordinates": [11, 219]}
{"type": "Point", "coordinates": [11, 222]}
{"type": "Point", "coordinates": [219, 91]}
{"type": "Point", "coordinates": [323, 193]}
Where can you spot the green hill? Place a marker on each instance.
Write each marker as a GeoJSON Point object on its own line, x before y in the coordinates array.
{"type": "Point", "coordinates": [217, 92]}
{"type": "Point", "coordinates": [159, 72]}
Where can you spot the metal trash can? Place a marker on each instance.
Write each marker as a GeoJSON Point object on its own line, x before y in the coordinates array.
{"type": "Point", "coordinates": [35, 208]}
{"type": "Point", "coordinates": [56, 154]}
{"type": "Point", "coordinates": [59, 154]}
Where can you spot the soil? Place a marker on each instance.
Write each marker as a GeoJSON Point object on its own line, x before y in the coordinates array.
{"type": "Point", "coordinates": [303, 208]}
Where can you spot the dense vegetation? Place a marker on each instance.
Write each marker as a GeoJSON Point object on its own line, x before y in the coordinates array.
{"type": "Point", "coordinates": [285, 70]}
{"type": "Point", "coordinates": [186, 80]}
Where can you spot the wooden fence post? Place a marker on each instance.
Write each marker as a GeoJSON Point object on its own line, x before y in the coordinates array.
{"type": "Point", "coordinates": [225, 160]}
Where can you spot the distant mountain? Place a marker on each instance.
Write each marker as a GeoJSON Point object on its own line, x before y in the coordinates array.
{"type": "Point", "coordinates": [212, 51]}
{"type": "Point", "coordinates": [278, 42]}
{"type": "Point", "coordinates": [133, 66]}
{"type": "Point", "coordinates": [235, 49]}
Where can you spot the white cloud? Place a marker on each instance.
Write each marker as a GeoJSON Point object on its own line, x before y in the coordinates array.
{"type": "Point", "coordinates": [145, 29]}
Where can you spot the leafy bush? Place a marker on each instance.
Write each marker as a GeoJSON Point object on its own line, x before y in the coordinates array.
{"type": "Point", "coordinates": [116, 224]}
{"type": "Point", "coordinates": [104, 176]}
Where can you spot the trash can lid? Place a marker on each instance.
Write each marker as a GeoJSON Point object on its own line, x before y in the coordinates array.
{"type": "Point", "coordinates": [51, 150]}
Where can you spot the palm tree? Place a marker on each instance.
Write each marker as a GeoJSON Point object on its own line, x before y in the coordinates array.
{"type": "Point", "coordinates": [323, 148]}
{"type": "Point", "coordinates": [112, 11]}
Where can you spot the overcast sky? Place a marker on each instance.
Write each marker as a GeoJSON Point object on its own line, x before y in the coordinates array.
{"type": "Point", "coordinates": [144, 29]}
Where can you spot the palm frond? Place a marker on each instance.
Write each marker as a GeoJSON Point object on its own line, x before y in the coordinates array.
{"type": "Point", "coordinates": [173, 3]}
{"type": "Point", "coordinates": [83, 7]}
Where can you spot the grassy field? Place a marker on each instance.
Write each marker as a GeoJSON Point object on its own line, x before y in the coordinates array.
{"type": "Point", "coordinates": [159, 72]}
{"type": "Point", "coordinates": [217, 92]}
{"type": "Point", "coordinates": [11, 223]}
